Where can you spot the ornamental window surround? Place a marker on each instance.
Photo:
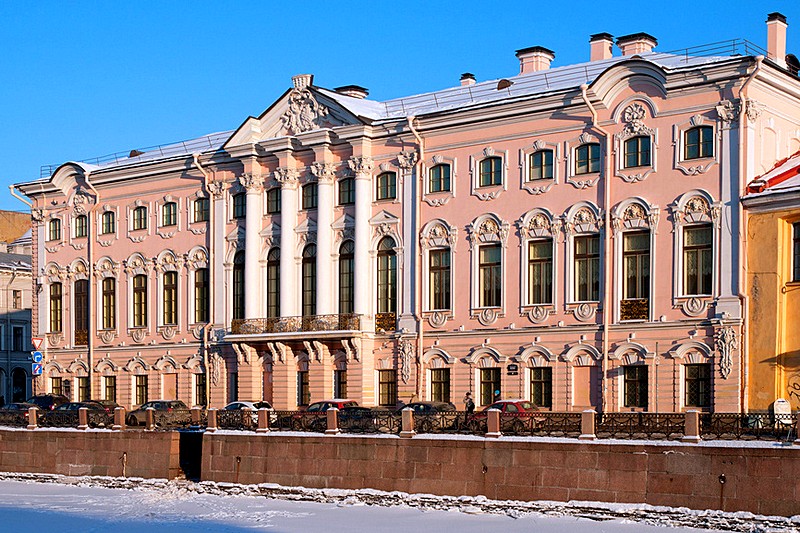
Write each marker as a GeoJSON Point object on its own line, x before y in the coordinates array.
{"type": "Point", "coordinates": [584, 247]}
{"type": "Point", "coordinates": [698, 142]}
{"type": "Point", "coordinates": [585, 156]}
{"type": "Point", "coordinates": [537, 230]}
{"type": "Point", "coordinates": [439, 239]}
{"type": "Point", "coordinates": [108, 223]}
{"type": "Point", "coordinates": [169, 214]}
{"type": "Point", "coordinates": [539, 168]}
{"type": "Point", "coordinates": [440, 182]}
{"type": "Point", "coordinates": [488, 237]}
{"type": "Point", "coordinates": [54, 229]}
{"type": "Point", "coordinates": [489, 170]}
{"type": "Point", "coordinates": [139, 218]}
{"type": "Point", "coordinates": [636, 144]}
{"type": "Point", "coordinates": [439, 178]}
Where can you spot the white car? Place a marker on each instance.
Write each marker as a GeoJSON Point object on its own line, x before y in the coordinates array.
{"type": "Point", "coordinates": [241, 405]}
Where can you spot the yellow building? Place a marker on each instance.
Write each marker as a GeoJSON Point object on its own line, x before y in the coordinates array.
{"type": "Point", "coordinates": [773, 286]}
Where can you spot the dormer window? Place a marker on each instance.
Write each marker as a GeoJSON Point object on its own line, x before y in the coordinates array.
{"type": "Point", "coordinates": [587, 158]}
{"type": "Point", "coordinates": [637, 152]}
{"type": "Point", "coordinates": [540, 165]}
{"type": "Point", "coordinates": [698, 142]}
{"type": "Point", "coordinates": [491, 172]}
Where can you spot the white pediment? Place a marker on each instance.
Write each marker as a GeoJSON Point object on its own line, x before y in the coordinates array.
{"type": "Point", "coordinates": [236, 235]}
{"type": "Point", "coordinates": [344, 221]}
{"type": "Point", "coordinates": [306, 226]}
{"type": "Point", "coordinates": [384, 217]}
{"type": "Point", "coordinates": [270, 230]}
{"type": "Point", "coordinates": [297, 111]}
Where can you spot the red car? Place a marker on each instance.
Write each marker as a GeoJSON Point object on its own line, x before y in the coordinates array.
{"type": "Point", "coordinates": [515, 416]}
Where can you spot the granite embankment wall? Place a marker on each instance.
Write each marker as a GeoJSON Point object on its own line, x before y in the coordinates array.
{"type": "Point", "coordinates": [764, 480]}
{"type": "Point", "coordinates": [91, 453]}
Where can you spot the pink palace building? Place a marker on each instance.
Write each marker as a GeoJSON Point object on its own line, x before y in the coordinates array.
{"type": "Point", "coordinates": [570, 235]}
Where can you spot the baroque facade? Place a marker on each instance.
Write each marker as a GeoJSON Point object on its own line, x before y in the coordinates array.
{"type": "Point", "coordinates": [570, 235]}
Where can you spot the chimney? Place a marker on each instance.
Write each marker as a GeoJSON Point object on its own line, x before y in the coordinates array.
{"type": "Point", "coordinates": [534, 59]}
{"type": "Point", "coordinates": [468, 78]}
{"type": "Point", "coordinates": [354, 91]}
{"type": "Point", "coordinates": [776, 38]}
{"type": "Point", "coordinates": [636, 43]}
{"type": "Point", "coordinates": [301, 81]}
{"type": "Point", "coordinates": [600, 45]}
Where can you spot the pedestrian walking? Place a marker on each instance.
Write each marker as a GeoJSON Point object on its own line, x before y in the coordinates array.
{"type": "Point", "coordinates": [469, 404]}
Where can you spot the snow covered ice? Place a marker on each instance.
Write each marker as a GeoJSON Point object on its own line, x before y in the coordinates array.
{"type": "Point", "coordinates": [63, 504]}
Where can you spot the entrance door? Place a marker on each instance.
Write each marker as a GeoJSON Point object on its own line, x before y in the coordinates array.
{"type": "Point", "coordinates": [19, 385]}
{"type": "Point", "coordinates": [170, 386]}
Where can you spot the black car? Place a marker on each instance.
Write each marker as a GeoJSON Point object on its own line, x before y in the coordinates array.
{"type": "Point", "coordinates": [48, 402]}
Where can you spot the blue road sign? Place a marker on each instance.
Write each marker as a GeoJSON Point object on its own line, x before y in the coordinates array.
{"type": "Point", "coordinates": [37, 357]}
{"type": "Point", "coordinates": [36, 369]}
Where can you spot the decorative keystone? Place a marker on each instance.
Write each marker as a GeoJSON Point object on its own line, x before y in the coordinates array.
{"type": "Point", "coordinates": [119, 419]}
{"type": "Point", "coordinates": [493, 424]}
{"type": "Point", "coordinates": [407, 428]}
{"type": "Point", "coordinates": [333, 421]}
{"type": "Point", "coordinates": [691, 430]}
{"type": "Point", "coordinates": [587, 425]}
{"type": "Point", "coordinates": [211, 427]}
{"type": "Point", "coordinates": [83, 418]}
{"type": "Point", "coordinates": [32, 417]}
{"type": "Point", "coordinates": [263, 420]}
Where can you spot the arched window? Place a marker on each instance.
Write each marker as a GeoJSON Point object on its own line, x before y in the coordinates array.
{"type": "Point", "coordinates": [81, 226]}
{"type": "Point", "coordinates": [274, 283]}
{"type": "Point", "coordinates": [309, 280]}
{"type": "Point", "coordinates": [439, 178]}
{"type": "Point", "coordinates": [201, 210]}
{"type": "Point", "coordinates": [698, 142]}
{"type": "Point", "coordinates": [310, 196]}
{"type": "Point", "coordinates": [346, 279]}
{"type": "Point", "coordinates": [170, 298]}
{"type": "Point", "coordinates": [238, 286]}
{"type": "Point", "coordinates": [387, 276]}
{"type": "Point", "coordinates": [56, 308]}
{"type": "Point", "coordinates": [491, 172]}
{"type": "Point", "coordinates": [587, 158]}
{"type": "Point", "coordinates": [201, 313]}
{"type": "Point", "coordinates": [637, 152]}
{"type": "Point", "coordinates": [139, 301]}
{"type": "Point", "coordinates": [54, 227]}
{"type": "Point", "coordinates": [540, 165]}
{"type": "Point", "coordinates": [140, 218]}
{"type": "Point", "coordinates": [80, 312]}
{"type": "Point", "coordinates": [387, 186]}
{"type": "Point", "coordinates": [109, 303]}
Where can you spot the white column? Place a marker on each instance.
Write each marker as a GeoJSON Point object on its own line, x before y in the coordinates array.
{"type": "Point", "coordinates": [362, 168]}
{"type": "Point", "coordinates": [287, 177]}
{"type": "Point", "coordinates": [325, 173]}
{"type": "Point", "coordinates": [252, 299]}
{"type": "Point", "coordinates": [408, 294]}
{"type": "Point", "coordinates": [218, 198]}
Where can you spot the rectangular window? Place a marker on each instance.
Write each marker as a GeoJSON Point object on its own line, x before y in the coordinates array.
{"type": "Point", "coordinates": [796, 251]}
{"type": "Point", "coordinates": [233, 387]}
{"type": "Point", "coordinates": [16, 296]}
{"type": "Point", "coordinates": [170, 298]}
{"type": "Point", "coordinates": [636, 265]}
{"type": "Point", "coordinates": [698, 385]}
{"type": "Point", "coordinates": [439, 178]}
{"type": "Point", "coordinates": [347, 191]}
{"type": "Point", "coordinates": [387, 387]}
{"type": "Point", "coordinates": [109, 303]}
{"type": "Point", "coordinates": [139, 301]}
{"type": "Point", "coordinates": [81, 226]}
{"type": "Point", "coordinates": [81, 312]}
{"type": "Point", "coordinates": [238, 286]}
{"type": "Point", "coordinates": [310, 196]}
{"type": "Point", "coordinates": [169, 214]}
{"type": "Point", "coordinates": [489, 385]}
{"type": "Point", "coordinates": [200, 389]}
{"type": "Point", "coordinates": [340, 383]}
{"type": "Point", "coordinates": [55, 385]}
{"type": "Point", "coordinates": [587, 268]}
{"type": "Point", "coordinates": [540, 272]}
{"type": "Point", "coordinates": [387, 186]}
{"type": "Point", "coordinates": [239, 205]}
{"type": "Point", "coordinates": [303, 388]}
{"type": "Point", "coordinates": [274, 201]}
{"type": "Point", "coordinates": [141, 390]}
{"type": "Point", "coordinates": [587, 158]}
{"type": "Point", "coordinates": [490, 276]}
{"type": "Point", "coordinates": [108, 223]}
{"type": "Point", "coordinates": [18, 338]}
{"type": "Point", "coordinates": [439, 279]}
{"type": "Point", "coordinates": [83, 389]}
{"type": "Point", "coordinates": [140, 218]}
{"type": "Point", "coordinates": [635, 393]}
{"type": "Point", "coordinates": [697, 260]}
{"type": "Point", "coordinates": [202, 206]}
{"type": "Point", "coordinates": [491, 172]}
{"type": "Point", "coordinates": [699, 142]}
{"type": "Point", "coordinates": [201, 295]}
{"type": "Point", "coordinates": [274, 283]}
{"type": "Point", "coordinates": [55, 308]}
{"type": "Point", "coordinates": [440, 385]}
{"type": "Point", "coordinates": [110, 388]}
{"type": "Point", "coordinates": [542, 386]}
{"type": "Point", "coordinates": [541, 165]}
{"type": "Point", "coordinates": [55, 230]}
{"type": "Point", "coordinates": [637, 152]}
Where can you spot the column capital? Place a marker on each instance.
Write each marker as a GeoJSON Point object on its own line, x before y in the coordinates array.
{"type": "Point", "coordinates": [407, 160]}
{"type": "Point", "coordinates": [361, 166]}
{"type": "Point", "coordinates": [287, 177]}
{"type": "Point", "coordinates": [216, 188]}
{"type": "Point", "coordinates": [252, 182]}
{"type": "Point", "coordinates": [324, 172]}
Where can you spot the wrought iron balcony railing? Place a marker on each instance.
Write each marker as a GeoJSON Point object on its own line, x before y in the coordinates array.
{"type": "Point", "coordinates": [81, 337]}
{"type": "Point", "coordinates": [292, 324]}
{"type": "Point", "coordinates": [634, 309]}
{"type": "Point", "coordinates": [385, 322]}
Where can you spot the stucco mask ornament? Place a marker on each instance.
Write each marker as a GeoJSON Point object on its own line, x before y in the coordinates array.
{"type": "Point", "coordinates": [634, 212]}
{"type": "Point", "coordinates": [406, 353]}
{"type": "Point", "coordinates": [79, 202]}
{"type": "Point", "coordinates": [697, 204]}
{"type": "Point", "coordinates": [727, 110]}
{"type": "Point", "coordinates": [634, 115]}
{"type": "Point", "coordinates": [585, 216]}
{"type": "Point", "coordinates": [726, 344]}
{"type": "Point", "coordinates": [306, 114]}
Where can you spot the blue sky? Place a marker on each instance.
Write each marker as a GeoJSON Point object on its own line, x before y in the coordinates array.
{"type": "Point", "coordinates": [86, 79]}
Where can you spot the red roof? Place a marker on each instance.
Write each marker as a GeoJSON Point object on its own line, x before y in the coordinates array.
{"type": "Point", "coordinates": [782, 171]}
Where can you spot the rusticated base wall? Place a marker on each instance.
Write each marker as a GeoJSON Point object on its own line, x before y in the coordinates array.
{"type": "Point", "coordinates": [91, 453]}
{"type": "Point", "coordinates": [762, 480]}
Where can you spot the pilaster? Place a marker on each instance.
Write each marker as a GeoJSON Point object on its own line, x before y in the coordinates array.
{"type": "Point", "coordinates": [407, 162]}
{"type": "Point", "coordinates": [217, 189]}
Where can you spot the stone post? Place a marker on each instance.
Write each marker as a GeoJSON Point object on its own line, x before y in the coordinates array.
{"type": "Point", "coordinates": [263, 420]}
{"type": "Point", "coordinates": [587, 424]}
{"type": "Point", "coordinates": [691, 430]}
{"type": "Point", "coordinates": [493, 424]}
{"type": "Point", "coordinates": [797, 430]}
{"type": "Point", "coordinates": [212, 421]}
{"type": "Point", "coordinates": [333, 421]}
{"type": "Point", "coordinates": [247, 418]}
{"type": "Point", "coordinates": [197, 416]}
{"type": "Point", "coordinates": [83, 418]}
{"type": "Point", "coordinates": [407, 429]}
{"type": "Point", "coordinates": [32, 416]}
{"type": "Point", "coordinates": [119, 419]}
{"type": "Point", "coordinates": [150, 418]}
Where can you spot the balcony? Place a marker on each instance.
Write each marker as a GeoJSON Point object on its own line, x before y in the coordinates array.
{"type": "Point", "coordinates": [634, 309]}
{"type": "Point", "coordinates": [385, 322]}
{"type": "Point", "coordinates": [81, 337]}
{"type": "Point", "coordinates": [296, 324]}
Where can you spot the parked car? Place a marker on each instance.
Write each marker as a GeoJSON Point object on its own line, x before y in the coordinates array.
{"type": "Point", "coordinates": [74, 406]}
{"type": "Point", "coordinates": [514, 415]}
{"type": "Point", "coordinates": [356, 418]}
{"type": "Point", "coordinates": [16, 412]}
{"type": "Point", "coordinates": [18, 406]}
{"type": "Point", "coordinates": [324, 405]}
{"type": "Point", "coordinates": [432, 416]}
{"type": "Point", "coordinates": [253, 406]}
{"type": "Point", "coordinates": [97, 414]}
{"type": "Point", "coordinates": [137, 417]}
{"type": "Point", "coordinates": [312, 417]}
{"type": "Point", "coordinates": [108, 405]}
{"type": "Point", "coordinates": [48, 402]}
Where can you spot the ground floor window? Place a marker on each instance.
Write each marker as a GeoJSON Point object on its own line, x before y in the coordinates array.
{"type": "Point", "coordinates": [440, 385]}
{"type": "Point", "coordinates": [110, 388]}
{"type": "Point", "coordinates": [340, 383]}
{"type": "Point", "coordinates": [141, 390]}
{"type": "Point", "coordinates": [542, 386]}
{"type": "Point", "coordinates": [200, 389]}
{"type": "Point", "coordinates": [635, 386]}
{"type": "Point", "coordinates": [490, 385]}
{"type": "Point", "coordinates": [387, 387]}
{"type": "Point", "coordinates": [233, 387]}
{"type": "Point", "coordinates": [55, 385]}
{"type": "Point", "coordinates": [303, 389]}
{"type": "Point", "coordinates": [83, 389]}
{"type": "Point", "coordinates": [697, 385]}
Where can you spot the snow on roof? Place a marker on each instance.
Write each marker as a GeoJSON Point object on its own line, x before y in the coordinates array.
{"type": "Point", "coordinates": [783, 177]}
{"type": "Point", "coordinates": [24, 239]}
{"type": "Point", "coordinates": [15, 261]}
